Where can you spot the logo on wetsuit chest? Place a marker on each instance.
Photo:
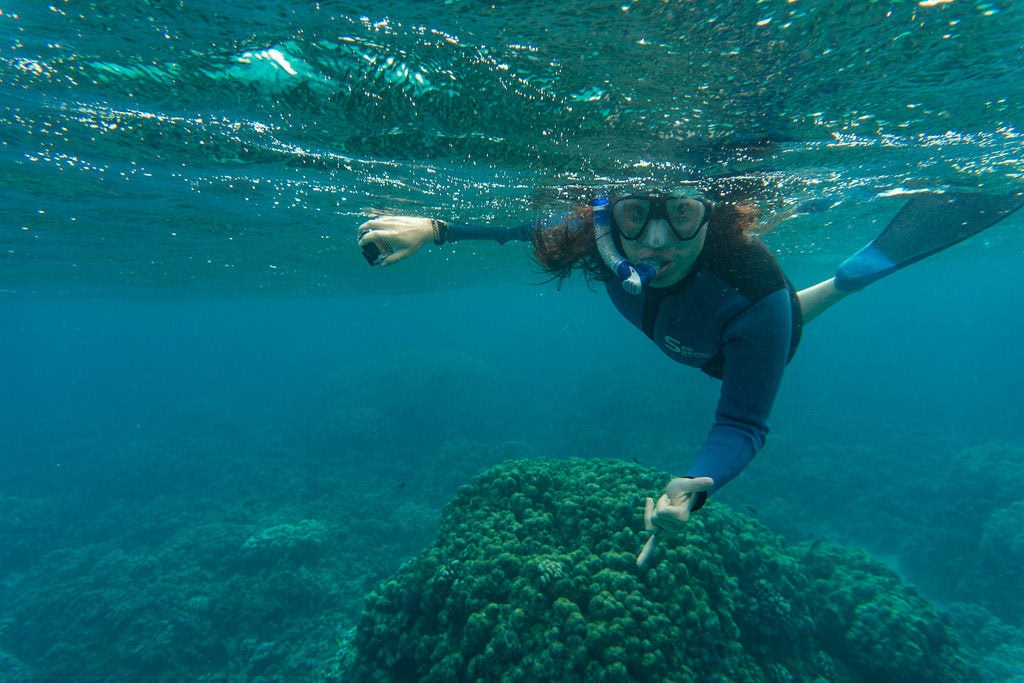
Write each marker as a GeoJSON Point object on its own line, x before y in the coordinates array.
{"type": "Point", "coordinates": [673, 346]}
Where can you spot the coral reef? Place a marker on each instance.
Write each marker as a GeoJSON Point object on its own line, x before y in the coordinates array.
{"type": "Point", "coordinates": [532, 578]}
{"type": "Point", "coordinates": [974, 553]}
{"type": "Point", "coordinates": [980, 556]}
{"type": "Point", "coordinates": [197, 607]}
{"type": "Point", "coordinates": [302, 541]}
{"type": "Point", "coordinates": [251, 565]}
{"type": "Point", "coordinates": [200, 588]}
{"type": "Point", "coordinates": [999, 646]}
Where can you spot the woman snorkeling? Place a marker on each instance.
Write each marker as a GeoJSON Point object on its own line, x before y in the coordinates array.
{"type": "Point", "coordinates": [690, 274]}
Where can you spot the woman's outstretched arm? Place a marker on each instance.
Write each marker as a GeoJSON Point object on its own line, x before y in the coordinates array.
{"type": "Point", "coordinates": [389, 239]}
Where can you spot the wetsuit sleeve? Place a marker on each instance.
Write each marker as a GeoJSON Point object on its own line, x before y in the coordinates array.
{"type": "Point", "coordinates": [458, 232]}
{"type": "Point", "coordinates": [756, 349]}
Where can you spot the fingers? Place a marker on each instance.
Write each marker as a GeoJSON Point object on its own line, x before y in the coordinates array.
{"type": "Point", "coordinates": [671, 515]}
{"type": "Point", "coordinates": [365, 229]}
{"type": "Point", "coordinates": [702, 483]}
{"type": "Point", "coordinates": [397, 237]}
{"type": "Point", "coordinates": [377, 250]}
{"type": "Point", "coordinates": [660, 515]}
{"type": "Point", "coordinates": [391, 246]}
{"type": "Point", "coordinates": [382, 237]}
{"type": "Point", "coordinates": [672, 510]}
{"type": "Point", "coordinates": [682, 486]}
{"type": "Point", "coordinates": [383, 223]}
{"type": "Point", "coordinates": [412, 228]}
{"type": "Point", "coordinates": [645, 553]}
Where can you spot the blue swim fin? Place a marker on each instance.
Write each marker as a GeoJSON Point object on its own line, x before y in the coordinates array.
{"type": "Point", "coordinates": [926, 224]}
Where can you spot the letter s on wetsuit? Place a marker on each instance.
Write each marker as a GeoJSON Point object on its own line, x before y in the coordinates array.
{"type": "Point", "coordinates": [736, 317]}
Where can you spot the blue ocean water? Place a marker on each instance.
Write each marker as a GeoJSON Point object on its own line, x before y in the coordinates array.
{"type": "Point", "coordinates": [196, 357]}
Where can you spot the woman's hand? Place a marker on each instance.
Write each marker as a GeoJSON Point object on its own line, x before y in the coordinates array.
{"type": "Point", "coordinates": [395, 236]}
{"type": "Point", "coordinates": [672, 510]}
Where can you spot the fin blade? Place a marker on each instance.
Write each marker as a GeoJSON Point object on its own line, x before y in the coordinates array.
{"type": "Point", "coordinates": [927, 224]}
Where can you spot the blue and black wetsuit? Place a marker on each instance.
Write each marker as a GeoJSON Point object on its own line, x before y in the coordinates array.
{"type": "Point", "coordinates": [736, 317]}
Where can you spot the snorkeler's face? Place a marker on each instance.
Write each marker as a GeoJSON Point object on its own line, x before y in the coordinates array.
{"type": "Point", "coordinates": [660, 243]}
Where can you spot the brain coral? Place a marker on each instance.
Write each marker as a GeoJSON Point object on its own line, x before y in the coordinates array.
{"type": "Point", "coordinates": [532, 577]}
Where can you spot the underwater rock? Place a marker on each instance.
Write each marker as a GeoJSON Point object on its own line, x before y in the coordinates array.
{"type": "Point", "coordinates": [979, 556]}
{"type": "Point", "coordinates": [302, 541]}
{"type": "Point", "coordinates": [532, 577]}
{"type": "Point", "coordinates": [1003, 538]}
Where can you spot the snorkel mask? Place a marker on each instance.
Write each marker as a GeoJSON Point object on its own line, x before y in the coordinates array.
{"type": "Point", "coordinates": [631, 216]}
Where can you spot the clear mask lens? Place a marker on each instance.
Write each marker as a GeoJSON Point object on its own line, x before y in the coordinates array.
{"type": "Point", "coordinates": [632, 215]}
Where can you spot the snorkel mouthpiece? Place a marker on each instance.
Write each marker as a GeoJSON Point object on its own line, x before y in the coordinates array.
{"type": "Point", "coordinates": [634, 276]}
{"type": "Point", "coordinates": [637, 276]}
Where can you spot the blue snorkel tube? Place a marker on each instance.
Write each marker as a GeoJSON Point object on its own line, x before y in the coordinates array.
{"type": "Point", "coordinates": [634, 276]}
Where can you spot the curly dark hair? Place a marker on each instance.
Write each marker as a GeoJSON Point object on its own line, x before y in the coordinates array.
{"type": "Point", "coordinates": [570, 245]}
